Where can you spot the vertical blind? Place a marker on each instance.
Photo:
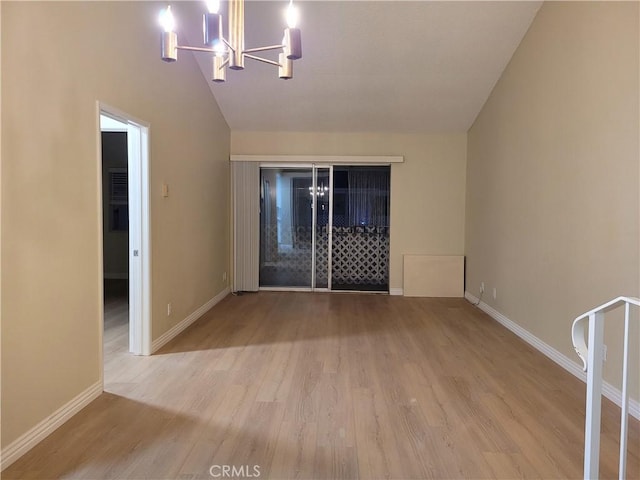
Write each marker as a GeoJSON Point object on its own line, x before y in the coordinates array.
{"type": "Point", "coordinates": [246, 225]}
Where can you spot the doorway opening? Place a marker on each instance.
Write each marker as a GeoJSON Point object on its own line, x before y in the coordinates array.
{"type": "Point", "coordinates": [125, 243]}
{"type": "Point", "coordinates": [324, 228]}
{"type": "Point", "coordinates": [115, 234]}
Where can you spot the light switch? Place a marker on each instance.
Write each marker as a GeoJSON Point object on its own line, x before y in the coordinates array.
{"type": "Point", "coordinates": [165, 190]}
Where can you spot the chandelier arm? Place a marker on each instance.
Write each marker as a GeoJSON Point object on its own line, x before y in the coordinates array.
{"type": "Point", "coordinates": [225, 63]}
{"type": "Point", "coordinates": [263, 49]}
{"type": "Point", "coordinates": [264, 60]}
{"type": "Point", "coordinates": [228, 44]}
{"type": "Point", "coordinates": [195, 49]}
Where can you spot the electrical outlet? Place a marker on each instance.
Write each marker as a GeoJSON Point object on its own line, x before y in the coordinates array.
{"type": "Point", "coordinates": [224, 277]}
{"type": "Point", "coordinates": [168, 309]}
{"type": "Point", "coordinates": [495, 292]}
{"type": "Point", "coordinates": [481, 287]}
{"type": "Point", "coordinates": [604, 353]}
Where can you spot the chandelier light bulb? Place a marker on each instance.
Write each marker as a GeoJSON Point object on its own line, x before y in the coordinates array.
{"type": "Point", "coordinates": [219, 49]}
{"type": "Point", "coordinates": [292, 15]}
{"type": "Point", "coordinates": [166, 20]}
{"type": "Point", "coordinates": [213, 6]}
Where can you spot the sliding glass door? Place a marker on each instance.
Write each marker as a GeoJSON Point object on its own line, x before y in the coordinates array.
{"type": "Point", "coordinates": [286, 224]}
{"type": "Point", "coordinates": [324, 228]}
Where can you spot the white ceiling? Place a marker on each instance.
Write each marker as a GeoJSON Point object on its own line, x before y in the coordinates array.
{"type": "Point", "coordinates": [394, 66]}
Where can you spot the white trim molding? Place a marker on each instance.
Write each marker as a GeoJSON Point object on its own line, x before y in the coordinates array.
{"type": "Point", "coordinates": [399, 292]}
{"type": "Point", "coordinates": [177, 329]}
{"type": "Point", "coordinates": [31, 438]}
{"type": "Point", "coordinates": [608, 390]}
{"type": "Point", "coordinates": [313, 159]}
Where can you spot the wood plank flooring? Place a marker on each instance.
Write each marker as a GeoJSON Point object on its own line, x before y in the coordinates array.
{"type": "Point", "coordinates": [116, 321]}
{"type": "Point", "coordinates": [332, 386]}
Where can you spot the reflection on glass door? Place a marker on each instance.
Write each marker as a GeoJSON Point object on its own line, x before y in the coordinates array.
{"type": "Point", "coordinates": [322, 215]}
{"type": "Point", "coordinates": [286, 227]}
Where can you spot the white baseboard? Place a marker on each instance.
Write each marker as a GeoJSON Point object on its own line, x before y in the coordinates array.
{"type": "Point", "coordinates": [396, 292]}
{"type": "Point", "coordinates": [169, 335]}
{"type": "Point", "coordinates": [116, 276]}
{"type": "Point", "coordinates": [608, 390]}
{"type": "Point", "coordinates": [30, 439]}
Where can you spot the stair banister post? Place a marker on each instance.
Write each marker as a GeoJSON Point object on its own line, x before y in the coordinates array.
{"type": "Point", "coordinates": [624, 410]}
{"type": "Point", "coordinates": [594, 395]}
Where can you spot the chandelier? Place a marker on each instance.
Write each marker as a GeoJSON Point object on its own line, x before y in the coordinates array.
{"type": "Point", "coordinates": [231, 52]}
{"type": "Point", "coordinates": [321, 190]}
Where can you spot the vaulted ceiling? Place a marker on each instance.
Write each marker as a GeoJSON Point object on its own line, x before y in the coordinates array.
{"type": "Point", "coordinates": [393, 66]}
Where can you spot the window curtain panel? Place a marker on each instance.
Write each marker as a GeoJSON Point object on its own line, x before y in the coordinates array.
{"type": "Point", "coordinates": [369, 196]}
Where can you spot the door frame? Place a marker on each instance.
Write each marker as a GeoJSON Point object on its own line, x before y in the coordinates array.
{"type": "Point", "coordinates": [281, 161]}
{"type": "Point", "coordinates": [139, 250]}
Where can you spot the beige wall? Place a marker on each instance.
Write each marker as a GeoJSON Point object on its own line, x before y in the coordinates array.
{"type": "Point", "coordinates": [1, 221]}
{"type": "Point", "coordinates": [553, 174]}
{"type": "Point", "coordinates": [58, 59]}
{"type": "Point", "coordinates": [427, 190]}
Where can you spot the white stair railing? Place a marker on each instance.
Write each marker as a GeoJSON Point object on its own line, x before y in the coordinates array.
{"type": "Point", "coordinates": [592, 358]}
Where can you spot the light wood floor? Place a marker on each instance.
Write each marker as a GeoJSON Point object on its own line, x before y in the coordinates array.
{"type": "Point", "coordinates": [319, 386]}
{"type": "Point", "coordinates": [116, 325]}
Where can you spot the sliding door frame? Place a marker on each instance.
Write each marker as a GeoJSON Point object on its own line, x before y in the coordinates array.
{"type": "Point", "coordinates": [330, 230]}
{"type": "Point", "coordinates": [306, 161]}
{"type": "Point", "coordinates": [314, 225]}
{"type": "Point", "coordinates": [314, 233]}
